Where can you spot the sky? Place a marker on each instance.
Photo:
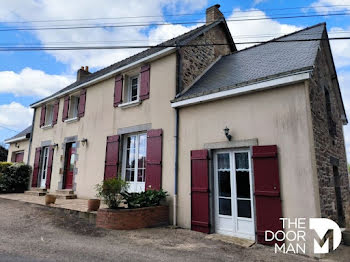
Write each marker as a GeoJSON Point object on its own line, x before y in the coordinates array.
{"type": "Point", "coordinates": [26, 77]}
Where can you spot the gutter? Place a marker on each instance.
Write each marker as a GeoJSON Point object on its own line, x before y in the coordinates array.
{"type": "Point", "coordinates": [263, 85]}
{"type": "Point", "coordinates": [17, 139]}
{"type": "Point", "coordinates": [163, 52]}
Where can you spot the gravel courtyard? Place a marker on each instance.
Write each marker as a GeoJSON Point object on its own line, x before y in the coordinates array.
{"type": "Point", "coordinates": [33, 233]}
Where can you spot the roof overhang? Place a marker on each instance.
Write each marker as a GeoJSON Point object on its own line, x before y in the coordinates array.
{"type": "Point", "coordinates": [17, 139]}
{"type": "Point", "coordinates": [161, 53]}
{"type": "Point", "coordinates": [259, 86]}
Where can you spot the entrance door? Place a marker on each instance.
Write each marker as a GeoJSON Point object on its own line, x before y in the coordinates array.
{"type": "Point", "coordinates": [233, 194]}
{"type": "Point", "coordinates": [19, 157]}
{"type": "Point", "coordinates": [70, 164]}
{"type": "Point", "coordinates": [44, 162]}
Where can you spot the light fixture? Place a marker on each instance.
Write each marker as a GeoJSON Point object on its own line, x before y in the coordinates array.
{"type": "Point", "coordinates": [55, 145]}
{"type": "Point", "coordinates": [227, 133]}
{"type": "Point", "coordinates": [84, 141]}
{"type": "Point", "coordinates": [17, 145]}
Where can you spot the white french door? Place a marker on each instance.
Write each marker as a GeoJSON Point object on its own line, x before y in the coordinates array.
{"type": "Point", "coordinates": [134, 161]}
{"type": "Point", "coordinates": [44, 163]}
{"type": "Point", "coordinates": [234, 212]}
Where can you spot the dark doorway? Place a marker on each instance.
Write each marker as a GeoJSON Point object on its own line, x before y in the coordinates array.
{"type": "Point", "coordinates": [69, 165]}
{"type": "Point", "coordinates": [339, 201]}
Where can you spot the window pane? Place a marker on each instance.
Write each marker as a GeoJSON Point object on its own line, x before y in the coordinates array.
{"type": "Point", "coordinates": [243, 184]}
{"type": "Point", "coordinates": [141, 175]}
{"type": "Point", "coordinates": [224, 183]}
{"type": "Point", "coordinates": [225, 207]}
{"type": "Point", "coordinates": [131, 142]}
{"type": "Point", "coordinates": [241, 161]}
{"type": "Point", "coordinates": [224, 161]}
{"type": "Point", "coordinates": [130, 158]}
{"type": "Point", "coordinates": [129, 175]}
{"type": "Point", "coordinates": [244, 208]}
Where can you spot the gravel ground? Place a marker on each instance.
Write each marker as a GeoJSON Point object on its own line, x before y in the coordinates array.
{"type": "Point", "coordinates": [34, 233]}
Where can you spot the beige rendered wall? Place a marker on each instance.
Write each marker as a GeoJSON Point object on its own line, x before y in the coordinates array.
{"type": "Point", "coordinates": [280, 116]}
{"type": "Point", "coordinates": [21, 146]}
{"type": "Point", "coordinates": [101, 119]}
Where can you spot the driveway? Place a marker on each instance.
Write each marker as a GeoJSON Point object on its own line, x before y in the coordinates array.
{"type": "Point", "coordinates": [33, 233]}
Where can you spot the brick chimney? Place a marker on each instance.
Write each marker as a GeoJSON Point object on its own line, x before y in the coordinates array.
{"type": "Point", "coordinates": [82, 73]}
{"type": "Point", "coordinates": [213, 13]}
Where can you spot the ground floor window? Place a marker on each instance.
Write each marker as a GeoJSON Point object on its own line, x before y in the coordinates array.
{"type": "Point", "coordinates": [18, 156]}
{"type": "Point", "coordinates": [44, 164]}
{"type": "Point", "coordinates": [134, 161]}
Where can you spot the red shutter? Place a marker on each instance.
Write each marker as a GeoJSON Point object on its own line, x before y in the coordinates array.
{"type": "Point", "coordinates": [118, 90]}
{"type": "Point", "coordinates": [42, 117]}
{"type": "Point", "coordinates": [200, 191]}
{"type": "Point", "coordinates": [55, 112]}
{"type": "Point", "coordinates": [145, 78]}
{"type": "Point", "coordinates": [36, 167]}
{"type": "Point", "coordinates": [49, 167]}
{"type": "Point", "coordinates": [267, 191]}
{"type": "Point", "coordinates": [82, 101]}
{"type": "Point", "coordinates": [65, 108]}
{"type": "Point", "coordinates": [154, 159]}
{"type": "Point", "coordinates": [112, 157]}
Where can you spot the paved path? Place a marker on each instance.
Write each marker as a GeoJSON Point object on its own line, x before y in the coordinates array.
{"type": "Point", "coordinates": [33, 233]}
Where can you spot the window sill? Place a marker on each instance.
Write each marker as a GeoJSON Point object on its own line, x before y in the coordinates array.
{"type": "Point", "coordinates": [71, 120]}
{"type": "Point", "coordinates": [130, 104]}
{"type": "Point", "coordinates": [47, 126]}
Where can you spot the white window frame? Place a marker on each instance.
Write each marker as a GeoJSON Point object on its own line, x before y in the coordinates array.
{"type": "Point", "coordinates": [73, 107]}
{"type": "Point", "coordinates": [44, 165]}
{"type": "Point", "coordinates": [129, 88]}
{"type": "Point", "coordinates": [134, 186]}
{"type": "Point", "coordinates": [49, 115]}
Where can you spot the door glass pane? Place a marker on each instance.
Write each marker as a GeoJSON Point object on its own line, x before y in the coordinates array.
{"type": "Point", "coordinates": [129, 175]}
{"type": "Point", "coordinates": [224, 161]}
{"type": "Point", "coordinates": [224, 182]}
{"type": "Point", "coordinates": [243, 184]}
{"type": "Point", "coordinates": [244, 208]}
{"type": "Point", "coordinates": [141, 158]}
{"type": "Point", "coordinates": [225, 207]}
{"type": "Point", "coordinates": [241, 160]}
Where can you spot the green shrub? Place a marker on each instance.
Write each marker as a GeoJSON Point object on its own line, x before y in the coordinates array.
{"type": "Point", "coordinates": [14, 177]}
{"type": "Point", "coordinates": [145, 199]}
{"type": "Point", "coordinates": [110, 189]}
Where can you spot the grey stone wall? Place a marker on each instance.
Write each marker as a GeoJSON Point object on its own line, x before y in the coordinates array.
{"type": "Point", "coordinates": [195, 59]}
{"type": "Point", "coordinates": [329, 149]}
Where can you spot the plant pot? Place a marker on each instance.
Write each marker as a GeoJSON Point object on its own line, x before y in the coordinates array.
{"type": "Point", "coordinates": [50, 199]}
{"type": "Point", "coordinates": [346, 237]}
{"type": "Point", "coordinates": [93, 204]}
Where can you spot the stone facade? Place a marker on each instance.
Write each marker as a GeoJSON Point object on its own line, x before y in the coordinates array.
{"type": "Point", "coordinates": [329, 145]}
{"type": "Point", "coordinates": [196, 59]}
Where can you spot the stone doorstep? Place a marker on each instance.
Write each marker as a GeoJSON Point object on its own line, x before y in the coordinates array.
{"type": "Point", "coordinates": [232, 240]}
{"type": "Point", "coordinates": [35, 193]}
{"type": "Point", "coordinates": [38, 189]}
{"type": "Point", "coordinates": [65, 196]}
{"type": "Point", "coordinates": [65, 192]}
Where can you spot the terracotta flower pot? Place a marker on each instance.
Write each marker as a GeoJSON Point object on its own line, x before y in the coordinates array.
{"type": "Point", "coordinates": [346, 237]}
{"type": "Point", "coordinates": [50, 199]}
{"type": "Point", "coordinates": [93, 204]}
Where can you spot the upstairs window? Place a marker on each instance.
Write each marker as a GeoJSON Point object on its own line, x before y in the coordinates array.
{"type": "Point", "coordinates": [132, 88]}
{"type": "Point", "coordinates": [49, 115]}
{"type": "Point", "coordinates": [73, 106]}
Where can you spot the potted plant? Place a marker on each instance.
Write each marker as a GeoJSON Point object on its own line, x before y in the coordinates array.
{"type": "Point", "coordinates": [93, 204]}
{"type": "Point", "coordinates": [109, 190]}
{"type": "Point", "coordinates": [50, 199]}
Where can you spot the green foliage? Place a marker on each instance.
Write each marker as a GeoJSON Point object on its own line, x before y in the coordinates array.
{"type": "Point", "coordinates": [14, 177]}
{"type": "Point", "coordinates": [110, 189]}
{"type": "Point", "coordinates": [144, 199]}
{"type": "Point", "coordinates": [3, 153]}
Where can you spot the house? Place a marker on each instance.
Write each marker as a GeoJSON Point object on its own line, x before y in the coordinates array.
{"type": "Point", "coordinates": [237, 138]}
{"type": "Point", "coordinates": [18, 150]}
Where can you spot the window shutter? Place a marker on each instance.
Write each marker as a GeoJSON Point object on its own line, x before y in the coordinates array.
{"type": "Point", "coordinates": [36, 167]}
{"type": "Point", "coordinates": [55, 112]}
{"type": "Point", "coordinates": [118, 90]}
{"type": "Point", "coordinates": [65, 108]}
{"type": "Point", "coordinates": [145, 79]}
{"type": "Point", "coordinates": [200, 191]}
{"type": "Point", "coordinates": [42, 116]}
{"type": "Point", "coordinates": [82, 101]}
{"type": "Point", "coordinates": [112, 157]}
{"type": "Point", "coordinates": [154, 159]}
{"type": "Point", "coordinates": [267, 191]}
{"type": "Point", "coordinates": [49, 167]}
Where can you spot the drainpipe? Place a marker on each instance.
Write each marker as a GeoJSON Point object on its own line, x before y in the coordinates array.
{"type": "Point", "coordinates": [31, 137]}
{"type": "Point", "coordinates": [178, 89]}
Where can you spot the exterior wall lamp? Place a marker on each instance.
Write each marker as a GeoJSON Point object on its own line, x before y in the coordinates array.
{"type": "Point", "coordinates": [17, 145]}
{"type": "Point", "coordinates": [84, 141]}
{"type": "Point", "coordinates": [55, 146]}
{"type": "Point", "coordinates": [227, 133]}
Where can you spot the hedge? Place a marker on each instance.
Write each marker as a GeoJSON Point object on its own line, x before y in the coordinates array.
{"type": "Point", "coordinates": [14, 177]}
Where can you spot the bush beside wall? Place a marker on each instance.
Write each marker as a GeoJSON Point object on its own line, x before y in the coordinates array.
{"type": "Point", "coordinates": [14, 177]}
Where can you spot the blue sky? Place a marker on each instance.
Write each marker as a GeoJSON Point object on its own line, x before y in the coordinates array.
{"type": "Point", "coordinates": [26, 77]}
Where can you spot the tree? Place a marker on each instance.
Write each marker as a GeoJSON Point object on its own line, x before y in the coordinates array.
{"type": "Point", "coordinates": [3, 153]}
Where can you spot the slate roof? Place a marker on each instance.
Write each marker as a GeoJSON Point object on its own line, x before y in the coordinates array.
{"type": "Point", "coordinates": [259, 62]}
{"type": "Point", "coordinates": [179, 40]}
{"type": "Point", "coordinates": [26, 132]}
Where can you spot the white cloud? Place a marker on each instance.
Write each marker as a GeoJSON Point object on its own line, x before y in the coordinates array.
{"type": "Point", "coordinates": [344, 80]}
{"type": "Point", "coordinates": [340, 48]}
{"type": "Point", "coordinates": [30, 82]}
{"type": "Point", "coordinates": [15, 116]}
{"type": "Point", "coordinates": [263, 30]}
{"type": "Point", "coordinates": [326, 6]}
{"type": "Point", "coordinates": [165, 32]}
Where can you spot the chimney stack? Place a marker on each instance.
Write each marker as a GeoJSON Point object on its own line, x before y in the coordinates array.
{"type": "Point", "coordinates": [82, 73]}
{"type": "Point", "coordinates": [213, 13]}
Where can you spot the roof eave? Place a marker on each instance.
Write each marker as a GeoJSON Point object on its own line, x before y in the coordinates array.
{"type": "Point", "coordinates": [17, 139]}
